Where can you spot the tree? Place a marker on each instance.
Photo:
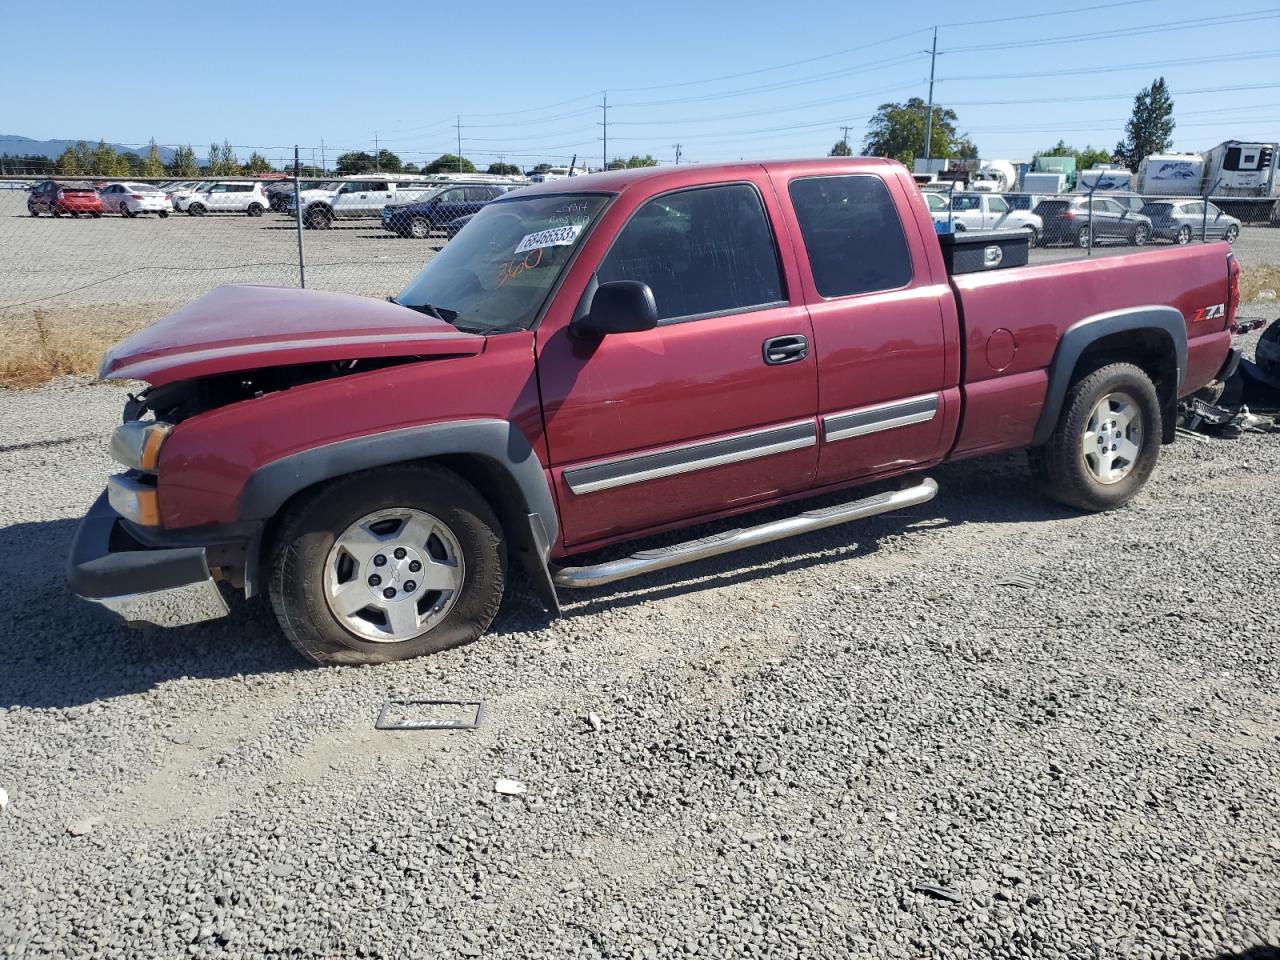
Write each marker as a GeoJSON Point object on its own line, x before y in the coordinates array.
{"type": "Point", "coordinates": [184, 163]}
{"type": "Point", "coordinates": [410, 168]}
{"type": "Point", "coordinates": [388, 162]}
{"type": "Point", "coordinates": [449, 163]}
{"type": "Point", "coordinates": [1150, 127]}
{"type": "Point", "coordinates": [355, 161]}
{"type": "Point", "coordinates": [1085, 159]}
{"type": "Point", "coordinates": [841, 149]}
{"type": "Point", "coordinates": [544, 167]}
{"type": "Point", "coordinates": [646, 161]}
{"type": "Point", "coordinates": [257, 163]}
{"type": "Point", "coordinates": [503, 169]}
{"type": "Point", "coordinates": [897, 131]}
{"type": "Point", "coordinates": [230, 162]}
{"type": "Point", "coordinates": [105, 162]}
{"type": "Point", "coordinates": [74, 161]}
{"type": "Point", "coordinates": [152, 167]}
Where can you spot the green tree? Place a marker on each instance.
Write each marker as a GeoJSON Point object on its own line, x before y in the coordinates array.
{"type": "Point", "coordinates": [449, 163]}
{"type": "Point", "coordinates": [1086, 158]}
{"type": "Point", "coordinates": [70, 163]}
{"type": "Point", "coordinates": [105, 162]}
{"type": "Point", "coordinates": [257, 163]}
{"type": "Point", "coordinates": [544, 167]}
{"type": "Point", "coordinates": [410, 168]}
{"type": "Point", "coordinates": [388, 162]}
{"type": "Point", "coordinates": [356, 161]}
{"type": "Point", "coordinates": [897, 131]}
{"type": "Point", "coordinates": [230, 162]}
{"type": "Point", "coordinates": [841, 149]}
{"type": "Point", "coordinates": [503, 169]}
{"type": "Point", "coordinates": [646, 161]}
{"type": "Point", "coordinates": [184, 163]}
{"type": "Point", "coordinates": [1150, 127]}
{"type": "Point", "coordinates": [152, 167]}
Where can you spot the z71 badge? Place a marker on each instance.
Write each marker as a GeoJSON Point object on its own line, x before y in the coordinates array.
{"type": "Point", "coordinates": [1216, 312]}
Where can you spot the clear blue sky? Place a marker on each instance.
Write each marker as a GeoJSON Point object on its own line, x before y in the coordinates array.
{"type": "Point", "coordinates": [725, 80]}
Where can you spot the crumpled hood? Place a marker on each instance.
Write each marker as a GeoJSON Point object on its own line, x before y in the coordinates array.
{"type": "Point", "coordinates": [244, 327]}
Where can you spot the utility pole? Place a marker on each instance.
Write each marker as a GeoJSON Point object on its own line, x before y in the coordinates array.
{"type": "Point", "coordinates": [323, 168]}
{"type": "Point", "coordinates": [928, 123]}
{"type": "Point", "coordinates": [678, 146]}
{"type": "Point", "coordinates": [845, 138]}
{"type": "Point", "coordinates": [604, 107]}
{"type": "Point", "coordinates": [459, 127]}
{"type": "Point", "coordinates": [377, 166]}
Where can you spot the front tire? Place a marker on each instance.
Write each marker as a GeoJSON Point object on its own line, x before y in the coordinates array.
{"type": "Point", "coordinates": [1183, 237]}
{"type": "Point", "coordinates": [196, 210]}
{"type": "Point", "coordinates": [163, 214]}
{"type": "Point", "coordinates": [125, 211]}
{"type": "Point", "coordinates": [419, 228]}
{"type": "Point", "coordinates": [319, 218]}
{"type": "Point", "coordinates": [1141, 234]}
{"type": "Point", "coordinates": [1232, 234]}
{"type": "Point", "coordinates": [1106, 442]}
{"type": "Point", "coordinates": [387, 565]}
{"type": "Point", "coordinates": [1082, 237]}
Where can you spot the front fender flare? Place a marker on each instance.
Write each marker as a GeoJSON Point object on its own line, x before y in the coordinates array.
{"type": "Point", "coordinates": [498, 441]}
{"type": "Point", "coordinates": [1080, 335]}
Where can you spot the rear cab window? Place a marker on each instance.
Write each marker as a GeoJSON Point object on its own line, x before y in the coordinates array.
{"type": "Point", "coordinates": [852, 234]}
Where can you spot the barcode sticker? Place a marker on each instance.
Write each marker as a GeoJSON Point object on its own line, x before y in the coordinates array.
{"type": "Point", "coordinates": [555, 237]}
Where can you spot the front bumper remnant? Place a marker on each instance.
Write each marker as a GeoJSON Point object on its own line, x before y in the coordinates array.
{"type": "Point", "coordinates": [168, 586]}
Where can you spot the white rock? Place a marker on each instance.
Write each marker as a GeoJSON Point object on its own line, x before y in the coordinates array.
{"type": "Point", "coordinates": [594, 722]}
{"type": "Point", "coordinates": [4, 800]}
{"type": "Point", "coordinates": [509, 788]}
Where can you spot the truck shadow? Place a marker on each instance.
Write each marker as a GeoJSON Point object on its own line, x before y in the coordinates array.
{"type": "Point", "coordinates": [1261, 952]}
{"type": "Point", "coordinates": [990, 490]}
{"type": "Point", "coordinates": [60, 651]}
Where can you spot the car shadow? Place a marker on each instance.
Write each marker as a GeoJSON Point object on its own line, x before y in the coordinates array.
{"type": "Point", "coordinates": [1262, 951]}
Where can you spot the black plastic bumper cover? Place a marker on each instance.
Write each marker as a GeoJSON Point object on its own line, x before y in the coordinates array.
{"type": "Point", "coordinates": [95, 571]}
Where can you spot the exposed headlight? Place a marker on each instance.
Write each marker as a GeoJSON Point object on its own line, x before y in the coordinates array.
{"type": "Point", "coordinates": [136, 444]}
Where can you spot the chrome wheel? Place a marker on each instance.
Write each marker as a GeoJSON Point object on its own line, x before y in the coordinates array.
{"type": "Point", "coordinates": [393, 575]}
{"type": "Point", "coordinates": [1112, 438]}
{"type": "Point", "coordinates": [419, 228]}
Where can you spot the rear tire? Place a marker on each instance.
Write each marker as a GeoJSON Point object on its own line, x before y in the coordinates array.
{"type": "Point", "coordinates": [1232, 234]}
{"type": "Point", "coordinates": [1082, 237]}
{"type": "Point", "coordinates": [307, 583]}
{"type": "Point", "coordinates": [1141, 234]}
{"type": "Point", "coordinates": [125, 211]}
{"type": "Point", "coordinates": [1035, 236]}
{"type": "Point", "coordinates": [163, 214]}
{"type": "Point", "coordinates": [255, 210]}
{"type": "Point", "coordinates": [1184, 236]}
{"type": "Point", "coordinates": [196, 210]}
{"type": "Point", "coordinates": [1068, 466]}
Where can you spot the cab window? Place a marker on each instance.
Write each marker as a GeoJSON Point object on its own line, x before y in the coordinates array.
{"type": "Point", "coordinates": [703, 251]}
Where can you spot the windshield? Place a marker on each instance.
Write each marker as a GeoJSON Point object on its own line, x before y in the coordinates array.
{"type": "Point", "coordinates": [496, 273]}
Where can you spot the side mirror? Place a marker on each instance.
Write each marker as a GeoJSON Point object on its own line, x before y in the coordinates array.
{"type": "Point", "coordinates": [620, 306]}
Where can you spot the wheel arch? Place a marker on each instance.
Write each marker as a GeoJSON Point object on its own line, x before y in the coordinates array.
{"type": "Point", "coordinates": [1153, 337]}
{"type": "Point", "coordinates": [494, 456]}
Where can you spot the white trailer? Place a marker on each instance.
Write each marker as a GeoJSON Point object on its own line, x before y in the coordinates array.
{"type": "Point", "coordinates": [1103, 179]}
{"type": "Point", "coordinates": [1050, 183]}
{"type": "Point", "coordinates": [1171, 175]}
{"type": "Point", "coordinates": [1244, 179]}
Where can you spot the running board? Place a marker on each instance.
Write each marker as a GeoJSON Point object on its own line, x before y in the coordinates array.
{"type": "Point", "coordinates": [647, 561]}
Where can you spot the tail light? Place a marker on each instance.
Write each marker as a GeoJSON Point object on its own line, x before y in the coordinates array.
{"type": "Point", "coordinates": [136, 196]}
{"type": "Point", "coordinates": [1233, 291]}
{"type": "Point", "coordinates": [1068, 215]}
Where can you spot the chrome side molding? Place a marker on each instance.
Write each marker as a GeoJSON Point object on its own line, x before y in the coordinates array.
{"type": "Point", "coordinates": [881, 416]}
{"type": "Point", "coordinates": [648, 561]}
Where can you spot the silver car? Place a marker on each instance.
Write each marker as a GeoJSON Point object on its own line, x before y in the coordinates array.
{"type": "Point", "coordinates": [1182, 221]}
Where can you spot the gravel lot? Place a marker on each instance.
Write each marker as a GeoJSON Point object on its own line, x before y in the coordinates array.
{"type": "Point", "coordinates": [794, 739]}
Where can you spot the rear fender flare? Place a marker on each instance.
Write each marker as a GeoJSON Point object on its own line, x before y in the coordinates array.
{"type": "Point", "coordinates": [1080, 335]}
{"type": "Point", "coordinates": [499, 442]}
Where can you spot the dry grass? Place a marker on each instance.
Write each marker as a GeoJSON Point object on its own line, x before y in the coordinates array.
{"type": "Point", "coordinates": [1253, 280]}
{"type": "Point", "coordinates": [46, 350]}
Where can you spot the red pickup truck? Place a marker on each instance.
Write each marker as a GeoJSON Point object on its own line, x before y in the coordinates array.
{"type": "Point", "coordinates": [598, 359]}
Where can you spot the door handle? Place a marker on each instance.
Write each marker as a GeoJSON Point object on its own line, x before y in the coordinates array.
{"type": "Point", "coordinates": [786, 349]}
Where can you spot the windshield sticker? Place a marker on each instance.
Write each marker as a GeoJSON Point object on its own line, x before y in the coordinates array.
{"type": "Point", "coordinates": [555, 237]}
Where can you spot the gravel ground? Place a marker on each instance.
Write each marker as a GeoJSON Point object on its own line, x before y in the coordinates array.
{"type": "Point", "coordinates": [1085, 762]}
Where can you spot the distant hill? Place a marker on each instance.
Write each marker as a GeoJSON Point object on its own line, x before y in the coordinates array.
{"type": "Point", "coordinates": [13, 144]}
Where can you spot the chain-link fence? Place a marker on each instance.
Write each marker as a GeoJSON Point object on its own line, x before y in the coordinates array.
{"type": "Point", "coordinates": [87, 262]}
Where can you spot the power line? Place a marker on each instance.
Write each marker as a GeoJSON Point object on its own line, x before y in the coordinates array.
{"type": "Point", "coordinates": [1271, 13]}
{"type": "Point", "coordinates": [1153, 64]}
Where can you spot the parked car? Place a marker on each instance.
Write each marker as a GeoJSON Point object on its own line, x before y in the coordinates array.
{"type": "Point", "coordinates": [1067, 220]}
{"type": "Point", "coordinates": [593, 361]}
{"type": "Point", "coordinates": [437, 209]}
{"type": "Point", "coordinates": [453, 226]}
{"type": "Point", "coordinates": [15, 184]}
{"type": "Point", "coordinates": [64, 196]}
{"type": "Point", "coordinates": [1183, 220]}
{"type": "Point", "coordinates": [355, 199]}
{"type": "Point", "coordinates": [230, 197]}
{"type": "Point", "coordinates": [280, 192]}
{"type": "Point", "coordinates": [131, 199]}
{"type": "Point", "coordinates": [988, 211]}
{"type": "Point", "coordinates": [938, 202]}
{"type": "Point", "coordinates": [185, 188]}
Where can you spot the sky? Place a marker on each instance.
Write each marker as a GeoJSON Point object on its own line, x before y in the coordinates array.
{"type": "Point", "coordinates": [525, 82]}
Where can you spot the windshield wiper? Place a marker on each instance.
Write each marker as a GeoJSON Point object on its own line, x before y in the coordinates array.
{"type": "Point", "coordinates": [443, 314]}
